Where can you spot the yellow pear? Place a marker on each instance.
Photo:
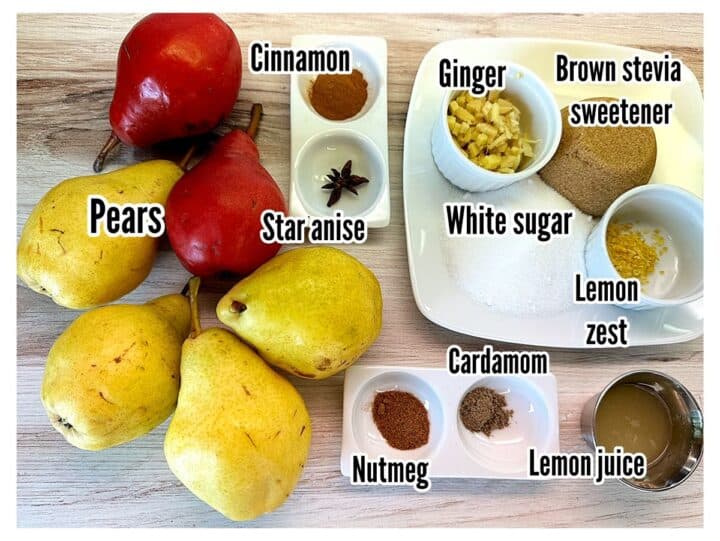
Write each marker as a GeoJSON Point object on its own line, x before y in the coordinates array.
{"type": "Point", "coordinates": [311, 311]}
{"type": "Point", "coordinates": [114, 374]}
{"type": "Point", "coordinates": [241, 432]}
{"type": "Point", "coordinates": [57, 257]}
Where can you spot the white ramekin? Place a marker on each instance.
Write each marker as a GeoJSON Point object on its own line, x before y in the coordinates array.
{"type": "Point", "coordinates": [680, 213]}
{"type": "Point", "coordinates": [539, 118]}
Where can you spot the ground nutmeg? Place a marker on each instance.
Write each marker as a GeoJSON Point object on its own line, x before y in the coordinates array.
{"type": "Point", "coordinates": [401, 419]}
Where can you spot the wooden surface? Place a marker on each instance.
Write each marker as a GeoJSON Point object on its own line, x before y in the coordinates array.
{"type": "Point", "coordinates": [65, 79]}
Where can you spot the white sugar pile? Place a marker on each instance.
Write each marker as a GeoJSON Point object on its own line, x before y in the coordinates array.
{"type": "Point", "coordinates": [516, 274]}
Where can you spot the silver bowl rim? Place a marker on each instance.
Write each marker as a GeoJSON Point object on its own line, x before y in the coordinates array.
{"type": "Point", "coordinates": [682, 387]}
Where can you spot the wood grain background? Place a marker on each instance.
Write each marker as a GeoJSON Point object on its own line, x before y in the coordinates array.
{"type": "Point", "coordinates": [65, 81]}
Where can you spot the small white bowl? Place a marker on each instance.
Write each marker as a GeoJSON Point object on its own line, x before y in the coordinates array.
{"type": "Point", "coordinates": [506, 450]}
{"type": "Point", "coordinates": [331, 149]}
{"type": "Point", "coordinates": [367, 435]}
{"type": "Point", "coordinates": [363, 61]}
{"type": "Point", "coordinates": [680, 214]}
{"type": "Point", "coordinates": [539, 118]}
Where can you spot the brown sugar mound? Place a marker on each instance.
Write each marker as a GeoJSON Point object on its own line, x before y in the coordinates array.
{"type": "Point", "coordinates": [595, 165]}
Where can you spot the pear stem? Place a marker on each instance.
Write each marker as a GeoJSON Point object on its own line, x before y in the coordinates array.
{"type": "Point", "coordinates": [110, 144]}
{"type": "Point", "coordinates": [255, 114]}
{"type": "Point", "coordinates": [185, 161]}
{"type": "Point", "coordinates": [193, 287]}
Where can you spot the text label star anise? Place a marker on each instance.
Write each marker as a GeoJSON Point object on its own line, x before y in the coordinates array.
{"type": "Point", "coordinates": [342, 179]}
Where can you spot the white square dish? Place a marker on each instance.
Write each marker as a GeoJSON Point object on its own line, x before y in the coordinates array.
{"type": "Point", "coordinates": [318, 144]}
{"type": "Point", "coordinates": [452, 450]}
{"type": "Point", "coordinates": [437, 293]}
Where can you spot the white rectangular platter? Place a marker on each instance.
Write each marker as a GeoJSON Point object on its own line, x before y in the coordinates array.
{"type": "Point", "coordinates": [437, 293]}
{"type": "Point", "coordinates": [452, 450]}
{"type": "Point", "coordinates": [317, 144]}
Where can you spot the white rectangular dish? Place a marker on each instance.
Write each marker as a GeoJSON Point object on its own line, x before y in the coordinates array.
{"type": "Point", "coordinates": [452, 450]}
{"type": "Point", "coordinates": [318, 144]}
{"type": "Point", "coordinates": [437, 292]}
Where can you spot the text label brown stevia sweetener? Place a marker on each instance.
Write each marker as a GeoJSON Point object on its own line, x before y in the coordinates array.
{"type": "Point", "coordinates": [665, 69]}
{"type": "Point", "coordinates": [620, 111]}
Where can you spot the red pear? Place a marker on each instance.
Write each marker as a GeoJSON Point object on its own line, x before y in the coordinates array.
{"type": "Point", "coordinates": [178, 74]}
{"type": "Point", "coordinates": [213, 212]}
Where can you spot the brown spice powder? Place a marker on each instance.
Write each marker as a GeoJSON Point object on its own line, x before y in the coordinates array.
{"type": "Point", "coordinates": [401, 419]}
{"type": "Point", "coordinates": [484, 410]}
{"type": "Point", "coordinates": [339, 96]}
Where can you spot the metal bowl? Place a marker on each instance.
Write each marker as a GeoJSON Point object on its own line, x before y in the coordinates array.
{"type": "Point", "coordinates": [683, 455]}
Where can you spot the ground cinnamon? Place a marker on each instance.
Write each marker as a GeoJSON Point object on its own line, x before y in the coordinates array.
{"type": "Point", "coordinates": [339, 96]}
{"type": "Point", "coordinates": [401, 419]}
{"type": "Point", "coordinates": [484, 410]}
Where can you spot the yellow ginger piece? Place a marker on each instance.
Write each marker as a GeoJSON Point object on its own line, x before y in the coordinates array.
{"type": "Point", "coordinates": [487, 131]}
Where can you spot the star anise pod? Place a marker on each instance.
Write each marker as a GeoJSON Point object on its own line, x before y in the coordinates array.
{"type": "Point", "coordinates": [342, 179]}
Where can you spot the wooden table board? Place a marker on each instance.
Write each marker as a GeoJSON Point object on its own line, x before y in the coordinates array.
{"type": "Point", "coordinates": [65, 80]}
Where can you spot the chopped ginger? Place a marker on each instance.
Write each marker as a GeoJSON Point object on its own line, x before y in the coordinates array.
{"type": "Point", "coordinates": [487, 131]}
